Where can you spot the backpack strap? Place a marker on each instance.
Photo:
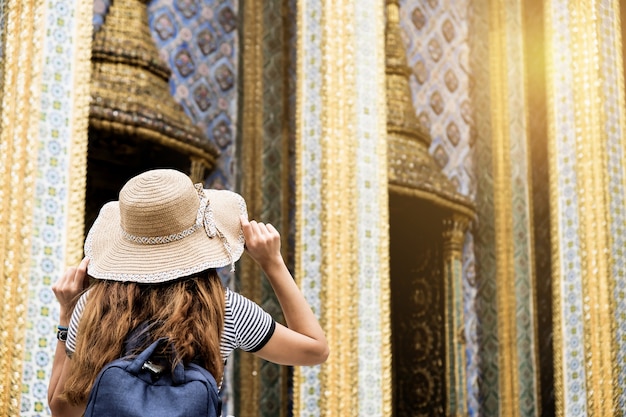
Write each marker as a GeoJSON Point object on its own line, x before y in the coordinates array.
{"type": "Point", "coordinates": [138, 338]}
{"type": "Point", "coordinates": [142, 362]}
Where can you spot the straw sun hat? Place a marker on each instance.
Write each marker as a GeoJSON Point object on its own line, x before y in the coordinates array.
{"type": "Point", "coordinates": [163, 228]}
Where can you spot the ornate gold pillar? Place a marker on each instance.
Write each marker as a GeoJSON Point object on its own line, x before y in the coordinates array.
{"type": "Point", "coordinates": [507, 361]}
{"type": "Point", "coordinates": [454, 229]}
{"type": "Point", "coordinates": [43, 139]}
{"type": "Point", "coordinates": [341, 205]}
{"type": "Point", "coordinates": [18, 138]}
{"type": "Point", "coordinates": [587, 130]}
{"type": "Point", "coordinates": [42, 164]}
{"type": "Point", "coordinates": [512, 213]}
{"type": "Point", "coordinates": [250, 153]}
{"type": "Point", "coordinates": [265, 169]}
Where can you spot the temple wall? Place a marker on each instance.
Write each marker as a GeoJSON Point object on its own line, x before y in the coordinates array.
{"type": "Point", "coordinates": [46, 77]}
{"type": "Point", "coordinates": [537, 144]}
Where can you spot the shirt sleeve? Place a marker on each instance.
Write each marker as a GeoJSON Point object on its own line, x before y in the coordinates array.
{"type": "Point", "coordinates": [246, 326]}
{"type": "Point", "coordinates": [70, 343]}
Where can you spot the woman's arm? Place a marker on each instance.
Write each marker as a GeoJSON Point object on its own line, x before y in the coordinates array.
{"type": "Point", "coordinates": [303, 341]}
{"type": "Point", "coordinates": [66, 290]}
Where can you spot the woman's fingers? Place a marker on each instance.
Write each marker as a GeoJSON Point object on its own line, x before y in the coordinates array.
{"type": "Point", "coordinates": [253, 229]}
{"type": "Point", "coordinates": [81, 274]}
{"type": "Point", "coordinates": [72, 282]}
{"type": "Point", "coordinates": [262, 240]}
{"type": "Point", "coordinates": [78, 275]}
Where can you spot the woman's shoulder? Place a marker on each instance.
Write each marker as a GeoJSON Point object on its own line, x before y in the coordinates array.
{"type": "Point", "coordinates": [235, 300]}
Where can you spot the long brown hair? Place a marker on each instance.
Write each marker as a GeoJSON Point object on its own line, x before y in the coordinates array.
{"type": "Point", "coordinates": [190, 313]}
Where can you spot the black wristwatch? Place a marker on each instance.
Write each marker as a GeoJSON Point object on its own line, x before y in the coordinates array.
{"type": "Point", "coordinates": [62, 333]}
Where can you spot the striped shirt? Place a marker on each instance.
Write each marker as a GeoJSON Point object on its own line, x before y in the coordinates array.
{"type": "Point", "coordinates": [246, 325]}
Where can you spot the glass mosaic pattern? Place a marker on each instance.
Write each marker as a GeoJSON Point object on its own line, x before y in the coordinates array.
{"type": "Point", "coordinates": [2, 26]}
{"type": "Point", "coordinates": [199, 42]}
{"type": "Point", "coordinates": [436, 34]}
{"type": "Point", "coordinates": [272, 393]}
{"type": "Point", "coordinates": [587, 109]}
{"type": "Point", "coordinates": [49, 210]}
{"type": "Point", "coordinates": [371, 163]}
{"type": "Point", "coordinates": [311, 189]}
{"type": "Point", "coordinates": [524, 321]}
{"type": "Point", "coordinates": [615, 130]}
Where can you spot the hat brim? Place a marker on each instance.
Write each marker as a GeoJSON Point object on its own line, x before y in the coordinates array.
{"type": "Point", "coordinates": [112, 256]}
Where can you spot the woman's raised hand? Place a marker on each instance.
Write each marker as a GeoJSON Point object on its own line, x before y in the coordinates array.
{"type": "Point", "coordinates": [262, 241]}
{"type": "Point", "coordinates": [69, 286]}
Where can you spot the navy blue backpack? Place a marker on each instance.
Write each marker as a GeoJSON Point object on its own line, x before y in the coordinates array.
{"type": "Point", "coordinates": [139, 387]}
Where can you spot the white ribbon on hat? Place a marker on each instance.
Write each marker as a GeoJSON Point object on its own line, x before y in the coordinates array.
{"type": "Point", "coordinates": [205, 217]}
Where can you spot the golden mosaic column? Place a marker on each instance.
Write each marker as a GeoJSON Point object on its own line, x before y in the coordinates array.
{"type": "Point", "coordinates": [341, 205]}
{"type": "Point", "coordinates": [502, 198]}
{"type": "Point", "coordinates": [587, 139]}
{"type": "Point", "coordinates": [454, 237]}
{"type": "Point", "coordinates": [517, 333]}
{"type": "Point", "coordinates": [18, 144]}
{"type": "Point", "coordinates": [251, 151]}
{"type": "Point", "coordinates": [33, 114]}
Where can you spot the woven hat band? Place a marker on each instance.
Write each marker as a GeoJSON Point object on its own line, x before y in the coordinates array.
{"type": "Point", "coordinates": [157, 240]}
